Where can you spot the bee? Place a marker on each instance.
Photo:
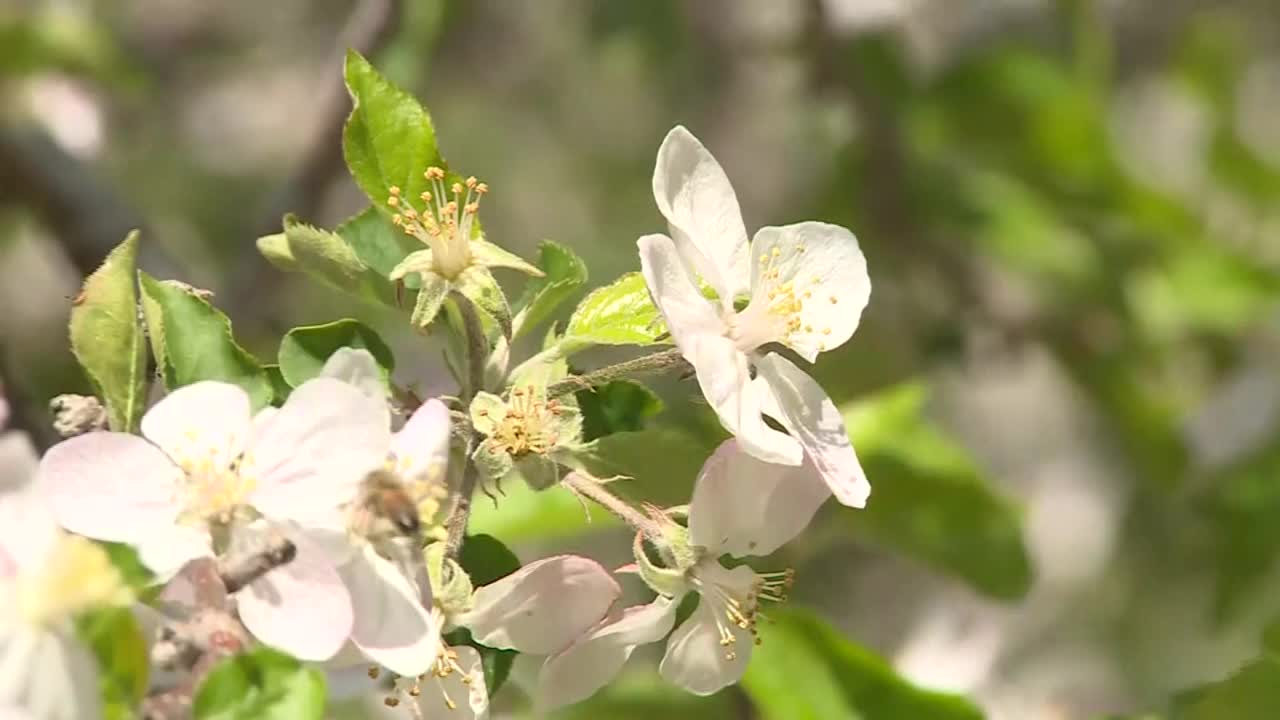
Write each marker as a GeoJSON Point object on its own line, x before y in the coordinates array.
{"type": "Point", "coordinates": [384, 500]}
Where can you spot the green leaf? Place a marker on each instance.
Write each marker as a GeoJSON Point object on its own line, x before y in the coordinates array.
{"type": "Point", "coordinates": [388, 140]}
{"type": "Point", "coordinates": [114, 637]}
{"type": "Point", "coordinates": [486, 558]}
{"type": "Point", "coordinates": [618, 314]}
{"type": "Point", "coordinates": [377, 242]}
{"type": "Point", "coordinates": [127, 562]}
{"type": "Point", "coordinates": [806, 670]}
{"type": "Point", "coordinates": [327, 257]}
{"type": "Point", "coordinates": [304, 350]}
{"type": "Point", "coordinates": [646, 696]}
{"type": "Point", "coordinates": [280, 388]}
{"type": "Point", "coordinates": [192, 341]}
{"type": "Point", "coordinates": [619, 406]}
{"type": "Point", "coordinates": [929, 499]}
{"type": "Point", "coordinates": [106, 339]}
{"type": "Point", "coordinates": [480, 287]}
{"type": "Point", "coordinates": [262, 684]}
{"type": "Point", "coordinates": [1250, 693]}
{"type": "Point", "coordinates": [564, 272]}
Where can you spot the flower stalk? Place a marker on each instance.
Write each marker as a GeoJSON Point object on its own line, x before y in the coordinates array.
{"type": "Point", "coordinates": [659, 362]}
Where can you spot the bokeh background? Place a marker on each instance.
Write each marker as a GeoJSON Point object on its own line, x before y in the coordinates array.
{"type": "Point", "coordinates": [1066, 389]}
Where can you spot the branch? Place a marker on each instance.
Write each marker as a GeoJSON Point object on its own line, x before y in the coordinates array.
{"type": "Point", "coordinates": [589, 487]}
{"type": "Point", "coordinates": [648, 364]}
{"type": "Point", "coordinates": [460, 515]}
{"type": "Point", "coordinates": [477, 343]}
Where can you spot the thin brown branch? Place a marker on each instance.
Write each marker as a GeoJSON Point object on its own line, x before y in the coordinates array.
{"type": "Point", "coordinates": [665, 361]}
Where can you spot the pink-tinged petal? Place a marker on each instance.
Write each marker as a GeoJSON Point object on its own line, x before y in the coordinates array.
{"type": "Point", "coordinates": [470, 697]}
{"type": "Point", "coordinates": [302, 607]}
{"type": "Point", "coordinates": [165, 551]}
{"type": "Point", "coordinates": [725, 379]}
{"type": "Point", "coordinates": [357, 368]}
{"type": "Point", "coordinates": [823, 269]}
{"type": "Point", "coordinates": [587, 665]}
{"type": "Point", "coordinates": [696, 658]}
{"type": "Point", "coordinates": [695, 196]}
{"type": "Point", "coordinates": [688, 313]}
{"type": "Point", "coordinates": [391, 628]}
{"type": "Point", "coordinates": [801, 405]}
{"type": "Point", "coordinates": [421, 448]}
{"type": "Point", "coordinates": [202, 422]}
{"type": "Point", "coordinates": [744, 506]}
{"type": "Point", "coordinates": [543, 606]}
{"type": "Point", "coordinates": [111, 486]}
{"type": "Point", "coordinates": [312, 455]}
{"type": "Point", "coordinates": [28, 532]}
{"type": "Point", "coordinates": [48, 675]}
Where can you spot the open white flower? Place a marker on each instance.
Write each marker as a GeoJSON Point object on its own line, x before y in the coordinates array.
{"type": "Point", "coordinates": [741, 506]}
{"type": "Point", "coordinates": [46, 578]}
{"type": "Point", "coordinates": [806, 286]}
{"type": "Point", "coordinates": [539, 609]}
{"type": "Point", "coordinates": [209, 476]}
{"type": "Point", "coordinates": [394, 625]}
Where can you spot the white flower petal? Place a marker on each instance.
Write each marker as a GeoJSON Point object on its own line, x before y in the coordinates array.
{"type": "Point", "coordinates": [111, 486]}
{"type": "Point", "coordinates": [312, 455]}
{"type": "Point", "coordinates": [50, 676]}
{"type": "Point", "coordinates": [745, 506]}
{"type": "Point", "coordinates": [587, 665]}
{"type": "Point", "coordinates": [687, 312]}
{"type": "Point", "coordinates": [823, 267]}
{"type": "Point", "coordinates": [800, 404]}
{"type": "Point", "coordinates": [421, 447]}
{"type": "Point", "coordinates": [204, 421]}
{"type": "Point", "coordinates": [696, 659]}
{"type": "Point", "coordinates": [28, 531]}
{"type": "Point", "coordinates": [356, 367]}
{"type": "Point", "coordinates": [471, 698]}
{"type": "Point", "coordinates": [725, 379]}
{"type": "Point", "coordinates": [694, 194]}
{"type": "Point", "coordinates": [302, 607]}
{"type": "Point", "coordinates": [18, 460]}
{"type": "Point", "coordinates": [391, 628]}
{"type": "Point", "coordinates": [543, 606]}
{"type": "Point", "coordinates": [165, 551]}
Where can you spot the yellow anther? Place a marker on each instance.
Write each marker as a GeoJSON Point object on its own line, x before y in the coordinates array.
{"type": "Point", "coordinates": [394, 190]}
{"type": "Point", "coordinates": [834, 299]}
{"type": "Point", "coordinates": [472, 182]}
{"type": "Point", "coordinates": [393, 201]}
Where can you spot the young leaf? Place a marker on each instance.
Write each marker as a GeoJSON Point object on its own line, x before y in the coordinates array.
{"type": "Point", "coordinates": [388, 140]}
{"type": "Point", "coordinates": [806, 670]}
{"type": "Point", "coordinates": [378, 243]}
{"type": "Point", "coordinates": [115, 639]}
{"type": "Point", "coordinates": [564, 274]}
{"type": "Point", "coordinates": [262, 684]}
{"type": "Point", "coordinates": [329, 258]}
{"type": "Point", "coordinates": [619, 406]}
{"type": "Point", "coordinates": [1250, 693]}
{"type": "Point", "coordinates": [304, 350]}
{"type": "Point", "coordinates": [618, 314]}
{"type": "Point", "coordinates": [106, 339]}
{"type": "Point", "coordinates": [930, 499]}
{"type": "Point", "coordinates": [192, 341]}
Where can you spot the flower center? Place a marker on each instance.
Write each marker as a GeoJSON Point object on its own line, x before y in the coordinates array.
{"type": "Point", "coordinates": [529, 425]}
{"type": "Point", "coordinates": [77, 576]}
{"type": "Point", "coordinates": [214, 493]}
{"type": "Point", "coordinates": [446, 224]}
{"type": "Point", "coordinates": [736, 604]}
{"type": "Point", "coordinates": [774, 313]}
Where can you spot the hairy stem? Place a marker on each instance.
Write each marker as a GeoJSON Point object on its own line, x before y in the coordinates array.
{"type": "Point", "coordinates": [477, 344]}
{"type": "Point", "coordinates": [591, 488]}
{"type": "Point", "coordinates": [456, 525]}
{"type": "Point", "coordinates": [646, 365]}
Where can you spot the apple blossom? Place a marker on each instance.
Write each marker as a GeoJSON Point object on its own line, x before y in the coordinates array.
{"type": "Point", "coordinates": [47, 577]}
{"type": "Point", "coordinates": [455, 258]}
{"type": "Point", "coordinates": [539, 609]}
{"type": "Point", "coordinates": [741, 506]}
{"type": "Point", "coordinates": [526, 432]}
{"type": "Point", "coordinates": [806, 286]}
{"type": "Point", "coordinates": [211, 478]}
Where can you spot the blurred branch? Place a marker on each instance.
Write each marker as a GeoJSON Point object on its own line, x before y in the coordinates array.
{"type": "Point", "coordinates": [87, 218]}
{"type": "Point", "coordinates": [370, 27]}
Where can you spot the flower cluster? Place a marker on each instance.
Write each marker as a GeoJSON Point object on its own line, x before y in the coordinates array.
{"type": "Point", "coordinates": [336, 519]}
